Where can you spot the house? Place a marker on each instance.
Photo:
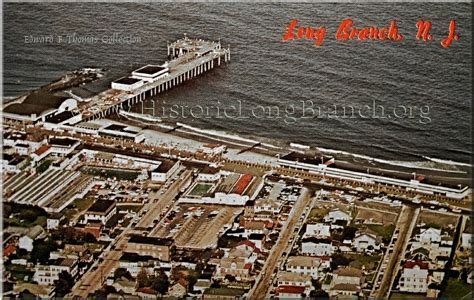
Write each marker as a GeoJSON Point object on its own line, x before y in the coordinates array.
{"type": "Point", "coordinates": [54, 220]}
{"type": "Point", "coordinates": [101, 210]}
{"type": "Point", "coordinates": [347, 282]}
{"type": "Point", "coordinates": [364, 241]}
{"type": "Point", "coordinates": [429, 235]}
{"type": "Point", "coordinates": [268, 205]}
{"type": "Point", "coordinates": [158, 248]}
{"type": "Point", "coordinates": [304, 265]}
{"type": "Point", "coordinates": [336, 216]}
{"type": "Point", "coordinates": [234, 266]}
{"type": "Point", "coordinates": [290, 292]}
{"type": "Point", "coordinates": [414, 277]}
{"type": "Point", "coordinates": [48, 274]}
{"type": "Point", "coordinates": [317, 246]}
{"type": "Point", "coordinates": [13, 163]}
{"type": "Point", "coordinates": [294, 279]}
{"type": "Point", "coordinates": [164, 171]}
{"type": "Point", "coordinates": [26, 241]}
{"type": "Point", "coordinates": [318, 230]}
{"type": "Point", "coordinates": [179, 289]}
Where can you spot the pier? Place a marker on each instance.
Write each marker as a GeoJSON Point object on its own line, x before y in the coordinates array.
{"type": "Point", "coordinates": [189, 58]}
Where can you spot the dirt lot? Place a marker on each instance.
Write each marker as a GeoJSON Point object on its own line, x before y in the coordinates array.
{"type": "Point", "coordinates": [431, 217]}
{"type": "Point", "coordinates": [375, 216]}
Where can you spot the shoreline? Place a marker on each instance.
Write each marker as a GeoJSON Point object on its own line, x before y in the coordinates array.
{"type": "Point", "coordinates": [432, 176]}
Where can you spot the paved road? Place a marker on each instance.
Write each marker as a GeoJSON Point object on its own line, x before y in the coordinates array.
{"type": "Point", "coordinates": [169, 194]}
{"type": "Point", "coordinates": [405, 224]}
{"type": "Point", "coordinates": [93, 279]}
{"type": "Point", "coordinates": [262, 285]}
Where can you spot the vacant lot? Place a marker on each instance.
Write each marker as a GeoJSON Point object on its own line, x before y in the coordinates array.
{"type": "Point", "coordinates": [435, 218]}
{"type": "Point", "coordinates": [365, 215]}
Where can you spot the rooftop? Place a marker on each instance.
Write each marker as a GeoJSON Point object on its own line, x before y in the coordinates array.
{"type": "Point", "coordinates": [150, 240]}
{"type": "Point", "coordinates": [127, 80]}
{"type": "Point", "coordinates": [150, 69]}
{"type": "Point", "coordinates": [101, 206]}
{"type": "Point", "coordinates": [165, 166]}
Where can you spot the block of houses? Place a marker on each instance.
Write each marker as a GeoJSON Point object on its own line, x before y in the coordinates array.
{"type": "Point", "coordinates": [40, 291]}
{"type": "Point", "coordinates": [158, 248]}
{"type": "Point", "coordinates": [101, 210]}
{"type": "Point", "coordinates": [27, 240]}
{"type": "Point", "coordinates": [317, 246]}
{"type": "Point", "coordinates": [337, 216]}
{"type": "Point", "coordinates": [304, 265]}
{"type": "Point", "coordinates": [346, 282]}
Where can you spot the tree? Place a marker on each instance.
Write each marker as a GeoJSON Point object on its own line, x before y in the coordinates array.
{"type": "Point", "coordinates": [64, 284]}
{"type": "Point", "coordinates": [42, 249]}
{"type": "Point", "coordinates": [122, 272]}
{"type": "Point", "coordinates": [229, 277]}
{"type": "Point", "coordinates": [339, 260]}
{"type": "Point", "coordinates": [142, 279]}
{"type": "Point", "coordinates": [160, 283]}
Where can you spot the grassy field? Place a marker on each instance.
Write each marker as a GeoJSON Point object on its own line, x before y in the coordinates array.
{"type": "Point", "coordinates": [456, 289]}
{"type": "Point", "coordinates": [359, 260]}
{"type": "Point", "coordinates": [385, 231]}
{"type": "Point", "coordinates": [200, 189]}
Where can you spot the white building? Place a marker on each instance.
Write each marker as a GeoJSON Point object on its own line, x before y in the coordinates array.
{"type": "Point", "coordinates": [164, 170]}
{"type": "Point", "coordinates": [27, 240]}
{"type": "Point", "coordinates": [337, 215]}
{"type": "Point", "coordinates": [414, 278]}
{"type": "Point", "coordinates": [363, 241]}
{"type": "Point", "coordinates": [466, 241]}
{"type": "Point", "coordinates": [317, 247]}
{"type": "Point", "coordinates": [318, 230]}
{"type": "Point", "coordinates": [101, 210]}
{"type": "Point", "coordinates": [48, 274]}
{"type": "Point", "coordinates": [127, 84]}
{"type": "Point", "coordinates": [429, 235]}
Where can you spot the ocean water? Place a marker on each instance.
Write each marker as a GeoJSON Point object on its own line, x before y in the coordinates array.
{"type": "Point", "coordinates": [432, 82]}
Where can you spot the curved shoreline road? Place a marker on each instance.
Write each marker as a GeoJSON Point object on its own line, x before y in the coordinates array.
{"type": "Point", "coordinates": [263, 282]}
